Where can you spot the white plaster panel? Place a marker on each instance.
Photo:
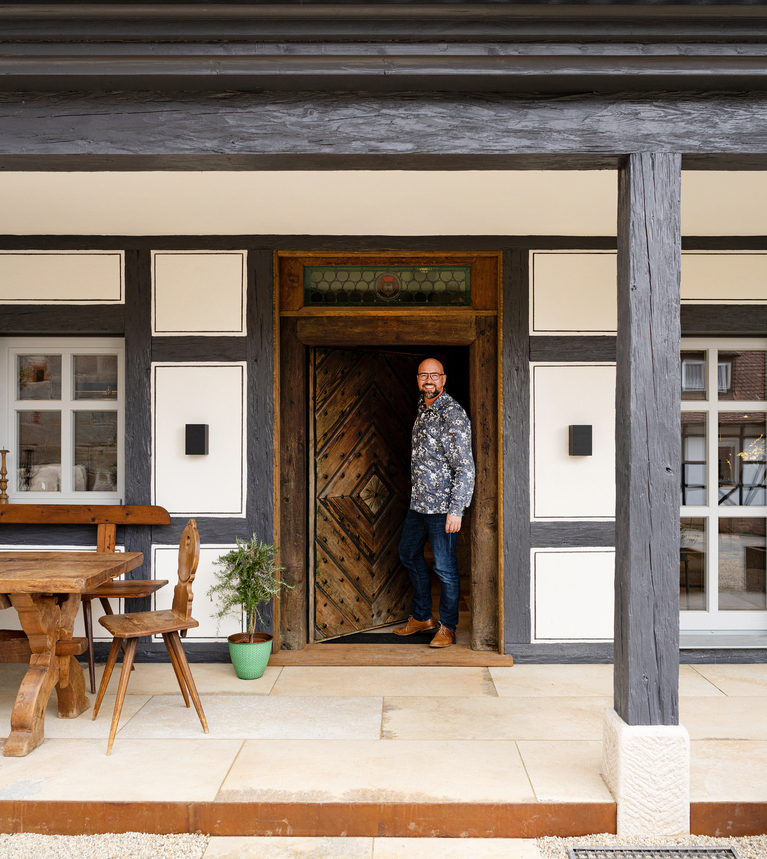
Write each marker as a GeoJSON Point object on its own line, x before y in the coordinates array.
{"type": "Point", "coordinates": [213, 394]}
{"type": "Point", "coordinates": [724, 203]}
{"type": "Point", "coordinates": [492, 202]}
{"type": "Point", "coordinates": [647, 769]}
{"type": "Point", "coordinates": [59, 277]}
{"type": "Point", "coordinates": [166, 567]}
{"type": "Point", "coordinates": [573, 292]}
{"type": "Point", "coordinates": [198, 292]}
{"type": "Point", "coordinates": [724, 277]}
{"type": "Point", "coordinates": [564, 486]}
{"type": "Point", "coordinates": [203, 203]}
{"type": "Point", "coordinates": [573, 594]}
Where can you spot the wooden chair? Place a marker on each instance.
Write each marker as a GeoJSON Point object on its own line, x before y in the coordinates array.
{"type": "Point", "coordinates": [125, 589]}
{"type": "Point", "coordinates": [128, 628]}
{"type": "Point", "coordinates": [106, 518]}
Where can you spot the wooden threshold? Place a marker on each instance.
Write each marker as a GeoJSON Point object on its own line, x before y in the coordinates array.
{"type": "Point", "coordinates": [459, 655]}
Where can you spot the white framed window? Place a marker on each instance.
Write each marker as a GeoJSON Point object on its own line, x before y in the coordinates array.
{"type": "Point", "coordinates": [63, 419]}
{"type": "Point", "coordinates": [722, 569]}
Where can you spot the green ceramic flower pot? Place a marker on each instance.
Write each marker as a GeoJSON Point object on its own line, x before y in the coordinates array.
{"type": "Point", "coordinates": [250, 658]}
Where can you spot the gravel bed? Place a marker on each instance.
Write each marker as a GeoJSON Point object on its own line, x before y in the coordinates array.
{"type": "Point", "coordinates": [126, 845]}
{"type": "Point", "coordinates": [753, 847]}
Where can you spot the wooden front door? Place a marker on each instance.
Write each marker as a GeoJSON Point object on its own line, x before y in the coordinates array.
{"type": "Point", "coordinates": [364, 406]}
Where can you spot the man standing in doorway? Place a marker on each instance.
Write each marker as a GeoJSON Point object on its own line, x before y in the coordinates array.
{"type": "Point", "coordinates": [442, 478]}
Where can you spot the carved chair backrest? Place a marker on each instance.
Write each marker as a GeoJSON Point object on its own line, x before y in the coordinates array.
{"type": "Point", "coordinates": [188, 559]}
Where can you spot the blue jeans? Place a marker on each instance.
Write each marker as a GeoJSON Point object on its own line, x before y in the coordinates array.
{"type": "Point", "coordinates": [420, 527]}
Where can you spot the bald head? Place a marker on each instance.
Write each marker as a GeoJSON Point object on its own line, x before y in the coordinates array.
{"type": "Point", "coordinates": [434, 382]}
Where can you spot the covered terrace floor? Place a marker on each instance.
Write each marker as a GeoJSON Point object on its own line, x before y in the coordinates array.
{"type": "Point", "coordinates": [376, 753]}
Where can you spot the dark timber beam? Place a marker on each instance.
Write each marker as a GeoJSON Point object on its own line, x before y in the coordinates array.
{"type": "Point", "coordinates": [646, 676]}
{"type": "Point", "coordinates": [352, 131]}
{"type": "Point", "coordinates": [440, 21]}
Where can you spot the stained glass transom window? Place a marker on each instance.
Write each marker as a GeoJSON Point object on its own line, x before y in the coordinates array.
{"type": "Point", "coordinates": [387, 286]}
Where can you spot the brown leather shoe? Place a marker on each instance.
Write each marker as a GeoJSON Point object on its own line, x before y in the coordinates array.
{"type": "Point", "coordinates": [414, 625]}
{"type": "Point", "coordinates": [444, 637]}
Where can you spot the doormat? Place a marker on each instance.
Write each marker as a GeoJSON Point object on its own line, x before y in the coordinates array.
{"type": "Point", "coordinates": [382, 638]}
{"type": "Point", "coordinates": [653, 853]}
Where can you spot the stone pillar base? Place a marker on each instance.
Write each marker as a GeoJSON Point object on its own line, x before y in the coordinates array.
{"type": "Point", "coordinates": [647, 768]}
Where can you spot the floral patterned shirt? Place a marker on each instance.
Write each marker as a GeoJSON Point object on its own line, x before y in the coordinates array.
{"type": "Point", "coordinates": [441, 464]}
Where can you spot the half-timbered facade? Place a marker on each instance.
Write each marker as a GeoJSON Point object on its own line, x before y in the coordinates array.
{"type": "Point", "coordinates": [258, 218]}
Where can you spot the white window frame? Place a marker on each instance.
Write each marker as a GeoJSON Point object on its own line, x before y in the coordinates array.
{"type": "Point", "coordinates": [67, 347]}
{"type": "Point", "coordinates": [712, 618]}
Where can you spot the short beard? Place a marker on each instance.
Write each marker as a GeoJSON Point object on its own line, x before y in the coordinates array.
{"type": "Point", "coordinates": [437, 392]}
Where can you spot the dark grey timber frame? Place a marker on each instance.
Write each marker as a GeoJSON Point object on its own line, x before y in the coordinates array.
{"type": "Point", "coordinates": [520, 535]}
{"type": "Point", "coordinates": [382, 46]}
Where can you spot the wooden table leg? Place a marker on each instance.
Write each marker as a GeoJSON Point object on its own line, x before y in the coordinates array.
{"type": "Point", "coordinates": [45, 620]}
{"type": "Point", "coordinates": [71, 686]}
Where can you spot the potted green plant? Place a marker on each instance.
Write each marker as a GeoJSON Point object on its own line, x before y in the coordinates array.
{"type": "Point", "coordinates": [246, 581]}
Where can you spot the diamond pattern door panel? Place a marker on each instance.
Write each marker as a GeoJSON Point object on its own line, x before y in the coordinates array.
{"type": "Point", "coordinates": [364, 409]}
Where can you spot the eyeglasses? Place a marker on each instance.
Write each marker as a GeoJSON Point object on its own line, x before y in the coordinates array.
{"type": "Point", "coordinates": [435, 377]}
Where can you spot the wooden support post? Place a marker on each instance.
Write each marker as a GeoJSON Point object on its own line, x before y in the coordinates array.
{"type": "Point", "coordinates": [293, 489]}
{"type": "Point", "coordinates": [648, 441]}
{"type": "Point", "coordinates": [484, 508]}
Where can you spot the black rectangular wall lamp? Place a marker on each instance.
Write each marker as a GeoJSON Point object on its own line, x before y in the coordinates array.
{"type": "Point", "coordinates": [580, 439]}
{"type": "Point", "coordinates": [196, 440]}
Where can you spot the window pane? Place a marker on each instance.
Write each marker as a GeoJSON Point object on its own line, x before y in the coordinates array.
{"type": "Point", "coordinates": [693, 458]}
{"type": "Point", "coordinates": [95, 377]}
{"type": "Point", "coordinates": [742, 459]}
{"type": "Point", "coordinates": [692, 565]}
{"type": "Point", "coordinates": [39, 452]}
{"type": "Point", "coordinates": [95, 452]}
{"type": "Point", "coordinates": [39, 377]}
{"type": "Point", "coordinates": [741, 564]}
{"type": "Point", "coordinates": [693, 375]}
{"type": "Point", "coordinates": [741, 375]}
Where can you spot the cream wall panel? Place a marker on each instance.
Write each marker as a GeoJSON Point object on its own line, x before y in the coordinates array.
{"type": "Point", "coordinates": [721, 203]}
{"type": "Point", "coordinates": [564, 486]}
{"type": "Point", "coordinates": [573, 292]}
{"type": "Point", "coordinates": [359, 202]}
{"type": "Point", "coordinates": [61, 277]}
{"type": "Point", "coordinates": [213, 394]}
{"type": "Point", "coordinates": [724, 277]}
{"type": "Point", "coordinates": [198, 292]}
{"type": "Point", "coordinates": [492, 202]}
{"type": "Point", "coordinates": [166, 567]}
{"type": "Point", "coordinates": [573, 594]}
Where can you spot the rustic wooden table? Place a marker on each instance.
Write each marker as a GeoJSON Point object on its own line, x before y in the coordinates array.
{"type": "Point", "coordinates": [45, 588]}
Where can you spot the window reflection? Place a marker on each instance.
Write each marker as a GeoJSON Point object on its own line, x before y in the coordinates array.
{"type": "Point", "coordinates": [39, 377]}
{"type": "Point", "coordinates": [95, 451]}
{"type": "Point", "coordinates": [693, 375]}
{"type": "Point", "coordinates": [95, 377]}
{"type": "Point", "coordinates": [742, 564]}
{"type": "Point", "coordinates": [39, 451]}
{"type": "Point", "coordinates": [742, 459]}
{"type": "Point", "coordinates": [692, 564]}
{"type": "Point", "coordinates": [693, 459]}
{"type": "Point", "coordinates": [741, 375]}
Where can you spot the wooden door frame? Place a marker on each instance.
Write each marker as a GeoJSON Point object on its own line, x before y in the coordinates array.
{"type": "Point", "coordinates": [297, 328]}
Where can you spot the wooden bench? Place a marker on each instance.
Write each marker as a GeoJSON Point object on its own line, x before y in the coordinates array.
{"type": "Point", "coordinates": [106, 517]}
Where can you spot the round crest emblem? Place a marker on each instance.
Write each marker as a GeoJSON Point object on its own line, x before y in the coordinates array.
{"type": "Point", "coordinates": [388, 286]}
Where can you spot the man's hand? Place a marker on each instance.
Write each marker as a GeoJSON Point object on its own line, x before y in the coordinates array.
{"type": "Point", "coordinates": [452, 524]}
